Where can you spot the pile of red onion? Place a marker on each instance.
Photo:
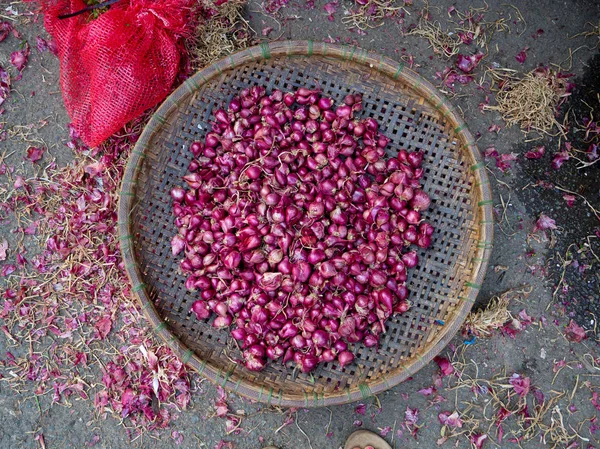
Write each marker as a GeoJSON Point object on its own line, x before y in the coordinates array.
{"type": "Point", "coordinates": [296, 228]}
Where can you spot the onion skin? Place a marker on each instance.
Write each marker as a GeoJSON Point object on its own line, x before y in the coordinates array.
{"type": "Point", "coordinates": [295, 231]}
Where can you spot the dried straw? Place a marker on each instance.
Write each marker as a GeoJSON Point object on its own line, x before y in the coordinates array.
{"type": "Point", "coordinates": [221, 34]}
{"type": "Point", "coordinates": [439, 41]}
{"type": "Point", "coordinates": [495, 315]}
{"type": "Point", "coordinates": [371, 14]}
{"type": "Point", "coordinates": [531, 101]}
{"type": "Point", "coordinates": [469, 23]}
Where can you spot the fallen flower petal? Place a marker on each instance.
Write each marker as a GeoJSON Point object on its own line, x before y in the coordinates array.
{"type": "Point", "coordinates": [177, 437]}
{"type": "Point", "coordinates": [536, 152]}
{"type": "Point", "coordinates": [4, 85]}
{"type": "Point", "coordinates": [5, 28]}
{"type": "Point", "coordinates": [446, 367]}
{"type": "Point", "coordinates": [383, 432]}
{"type": "Point", "coordinates": [103, 327]}
{"type": "Point", "coordinates": [595, 400]}
{"type": "Point", "coordinates": [525, 318]}
{"type": "Point", "coordinates": [570, 199]}
{"type": "Point", "coordinates": [520, 384]}
{"type": "Point", "coordinates": [331, 9]}
{"type": "Point", "coordinates": [522, 55]}
{"type": "Point", "coordinates": [3, 248]}
{"type": "Point", "coordinates": [559, 159]}
{"type": "Point", "coordinates": [592, 152]}
{"type": "Point", "coordinates": [31, 229]}
{"type": "Point", "coordinates": [427, 391]}
{"type": "Point", "coordinates": [544, 222]}
{"type": "Point", "coordinates": [19, 58]}
{"type": "Point", "coordinates": [411, 416]}
{"type": "Point", "coordinates": [503, 162]}
{"type": "Point", "coordinates": [34, 154]}
{"type": "Point", "coordinates": [574, 332]}
{"type": "Point", "coordinates": [451, 420]}
{"type": "Point", "coordinates": [468, 63]}
{"type": "Point", "coordinates": [360, 409]}
{"type": "Point", "coordinates": [491, 152]}
{"type": "Point", "coordinates": [477, 440]}
{"type": "Point", "coordinates": [41, 43]}
{"type": "Point", "coordinates": [7, 270]}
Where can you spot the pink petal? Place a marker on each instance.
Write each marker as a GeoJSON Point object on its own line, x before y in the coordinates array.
{"type": "Point", "coordinates": [3, 248]}
{"type": "Point", "coordinates": [468, 63]}
{"type": "Point", "coordinates": [520, 384]}
{"type": "Point", "coordinates": [522, 56]}
{"type": "Point", "coordinates": [331, 7]}
{"type": "Point", "coordinates": [592, 152]}
{"type": "Point", "coordinates": [7, 270]}
{"type": "Point", "coordinates": [544, 222]}
{"type": "Point", "coordinates": [536, 152]}
{"type": "Point", "coordinates": [411, 415]}
{"type": "Point", "coordinates": [426, 391]}
{"type": "Point", "coordinates": [446, 367]}
{"type": "Point", "coordinates": [383, 432]}
{"type": "Point", "coordinates": [42, 44]}
{"type": "Point", "coordinates": [478, 439]}
{"type": "Point", "coordinates": [19, 58]}
{"type": "Point", "coordinates": [35, 154]}
{"type": "Point", "coordinates": [5, 29]}
{"type": "Point", "coordinates": [570, 199]}
{"type": "Point", "coordinates": [559, 159]}
{"type": "Point", "coordinates": [490, 152]}
{"type": "Point", "coordinates": [103, 327]}
{"type": "Point", "coordinates": [574, 332]}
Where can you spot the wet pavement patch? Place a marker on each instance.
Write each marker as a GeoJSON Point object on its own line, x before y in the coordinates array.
{"type": "Point", "coordinates": [574, 261]}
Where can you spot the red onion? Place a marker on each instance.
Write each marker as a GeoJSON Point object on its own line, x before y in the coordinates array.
{"type": "Point", "coordinates": [413, 217]}
{"type": "Point", "coordinates": [420, 200]}
{"type": "Point", "coordinates": [293, 226]}
{"type": "Point", "coordinates": [410, 259]}
{"type": "Point", "coordinates": [308, 362]}
{"type": "Point", "coordinates": [222, 322]}
{"type": "Point", "coordinates": [200, 309]}
{"type": "Point", "coordinates": [345, 358]}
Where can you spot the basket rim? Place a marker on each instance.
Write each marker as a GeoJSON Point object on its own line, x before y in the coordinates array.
{"type": "Point", "coordinates": [386, 66]}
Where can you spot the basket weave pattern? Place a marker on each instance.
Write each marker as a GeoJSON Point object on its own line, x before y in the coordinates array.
{"type": "Point", "coordinates": [414, 116]}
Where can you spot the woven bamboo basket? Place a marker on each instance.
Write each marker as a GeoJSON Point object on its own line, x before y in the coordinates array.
{"type": "Point", "coordinates": [414, 115]}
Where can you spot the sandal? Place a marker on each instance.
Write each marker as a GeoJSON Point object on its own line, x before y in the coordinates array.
{"type": "Point", "coordinates": [363, 439]}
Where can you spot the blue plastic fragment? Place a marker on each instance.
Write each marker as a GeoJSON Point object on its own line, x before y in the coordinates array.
{"type": "Point", "coordinates": [471, 340]}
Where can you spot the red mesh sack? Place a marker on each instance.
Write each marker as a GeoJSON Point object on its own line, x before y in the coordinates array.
{"type": "Point", "coordinates": [115, 66]}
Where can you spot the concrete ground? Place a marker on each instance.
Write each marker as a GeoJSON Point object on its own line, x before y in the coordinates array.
{"type": "Point", "coordinates": [35, 106]}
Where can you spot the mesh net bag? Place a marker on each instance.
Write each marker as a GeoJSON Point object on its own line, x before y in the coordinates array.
{"type": "Point", "coordinates": [118, 64]}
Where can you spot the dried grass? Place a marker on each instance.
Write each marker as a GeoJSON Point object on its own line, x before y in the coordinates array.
{"type": "Point", "coordinates": [223, 33]}
{"type": "Point", "coordinates": [440, 42]}
{"type": "Point", "coordinates": [469, 23]}
{"type": "Point", "coordinates": [495, 315]}
{"type": "Point", "coordinates": [371, 14]}
{"type": "Point", "coordinates": [52, 315]}
{"type": "Point", "coordinates": [502, 414]}
{"type": "Point", "coordinates": [594, 31]}
{"type": "Point", "coordinates": [529, 101]}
